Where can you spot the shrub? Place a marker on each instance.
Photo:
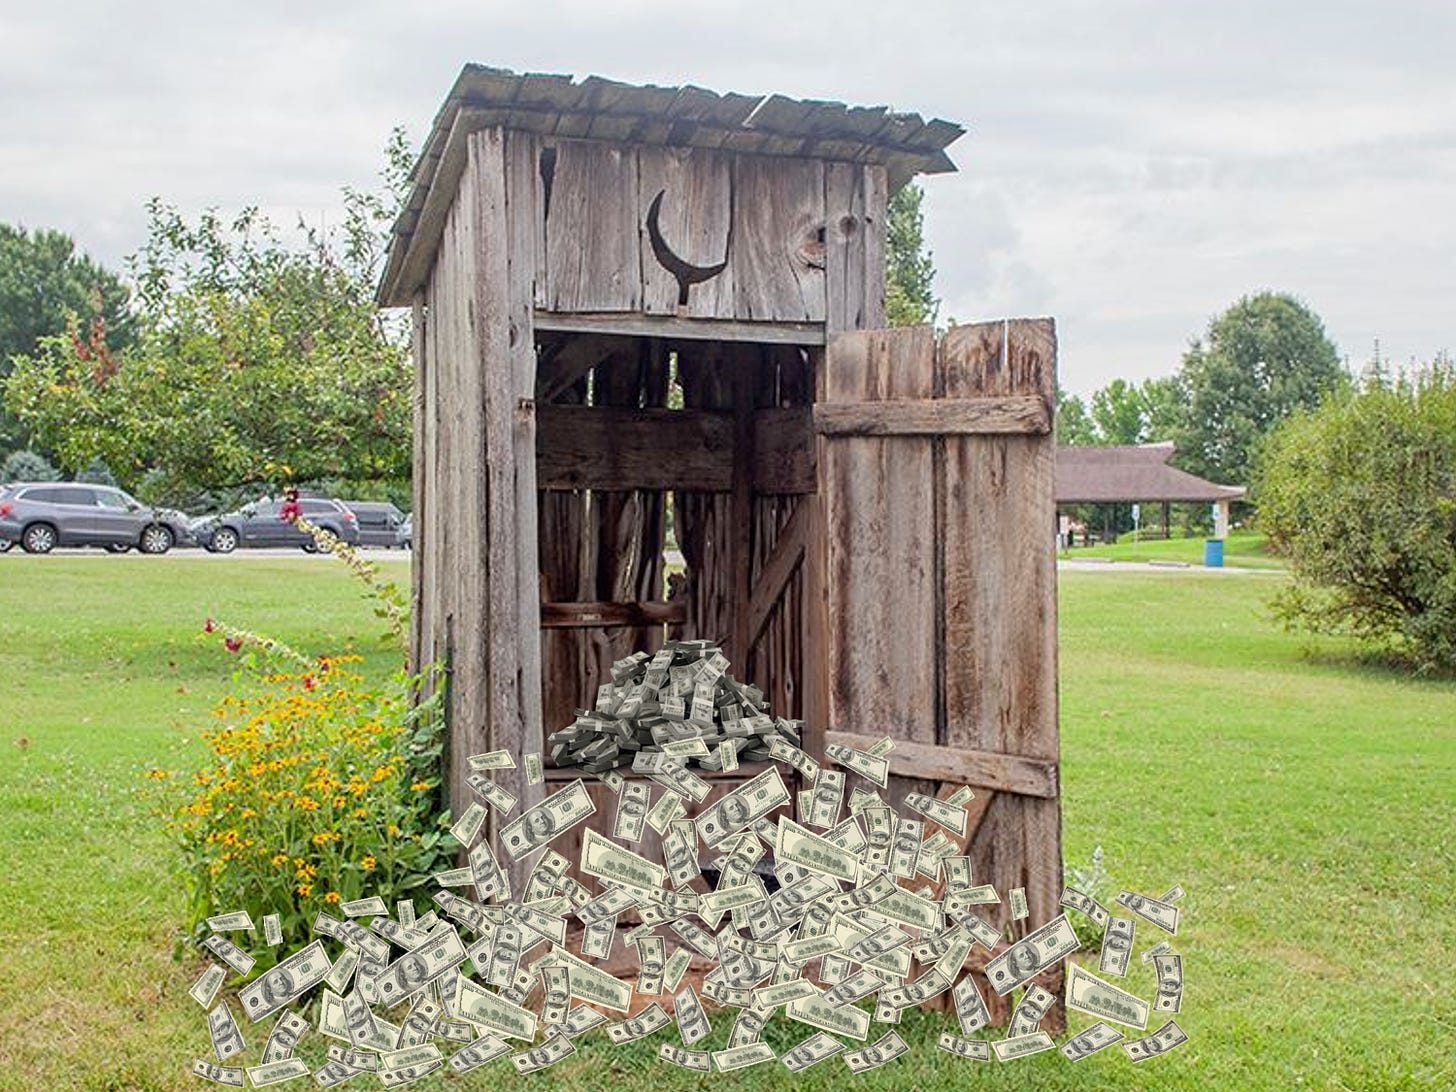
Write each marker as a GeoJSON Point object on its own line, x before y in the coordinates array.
{"type": "Point", "coordinates": [1360, 495]}
{"type": "Point", "coordinates": [1090, 880]}
{"type": "Point", "coordinates": [27, 466]}
{"type": "Point", "coordinates": [316, 789]}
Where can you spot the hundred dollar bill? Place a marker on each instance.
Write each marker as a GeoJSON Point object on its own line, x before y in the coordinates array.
{"type": "Point", "coordinates": [334, 1073]}
{"type": "Point", "coordinates": [591, 984]}
{"type": "Point", "coordinates": [1086, 1043]}
{"type": "Point", "coordinates": [205, 988]}
{"type": "Point", "coordinates": [961, 796]}
{"type": "Point", "coordinates": [631, 812]}
{"type": "Point", "coordinates": [874, 768]}
{"type": "Point", "coordinates": [468, 825]}
{"type": "Point", "coordinates": [881, 747]}
{"type": "Point", "coordinates": [740, 1057]}
{"type": "Point", "coordinates": [699, 1061]}
{"type": "Point", "coordinates": [396, 1078]}
{"type": "Point", "coordinates": [272, 931]}
{"type": "Point", "coordinates": [1088, 993]}
{"type": "Point", "coordinates": [980, 932]}
{"type": "Point", "coordinates": [1033, 954]}
{"type": "Point", "coordinates": [1086, 904]}
{"type": "Point", "coordinates": [806, 849]}
{"type": "Point", "coordinates": [677, 778]}
{"type": "Point", "coordinates": [1170, 983]}
{"type": "Point", "coordinates": [733, 898]}
{"type": "Point", "coordinates": [878, 943]}
{"type": "Point", "coordinates": [1021, 1046]}
{"type": "Point", "coordinates": [230, 1075]}
{"type": "Point", "coordinates": [578, 1021]}
{"type": "Point", "coordinates": [1172, 895]}
{"type": "Point", "coordinates": [826, 800]}
{"type": "Point", "coordinates": [365, 1060]}
{"type": "Point", "coordinates": [284, 983]}
{"type": "Point", "coordinates": [909, 908]}
{"type": "Point", "coordinates": [752, 800]}
{"type": "Point", "coordinates": [492, 760]}
{"type": "Point", "coordinates": [505, 955]}
{"type": "Point", "coordinates": [352, 934]}
{"type": "Point", "coordinates": [807, 948]}
{"type": "Point", "coordinates": [497, 797]}
{"type": "Point", "coordinates": [1161, 914]}
{"type": "Point", "coordinates": [331, 1021]}
{"type": "Point", "coordinates": [284, 1037]}
{"type": "Point", "coordinates": [669, 806]}
{"type": "Point", "coordinates": [819, 1013]}
{"type": "Point", "coordinates": [1018, 903]}
{"type": "Point", "coordinates": [480, 1006]}
{"type": "Point", "coordinates": [534, 773]}
{"type": "Point", "coordinates": [1116, 947]}
{"type": "Point", "coordinates": [675, 968]}
{"type": "Point", "coordinates": [604, 859]}
{"type": "Point", "coordinates": [1035, 1003]}
{"type": "Point", "coordinates": [1156, 950]}
{"type": "Point", "coordinates": [558, 995]}
{"type": "Point", "coordinates": [686, 748]}
{"type": "Point", "coordinates": [692, 1021]}
{"type": "Point", "coordinates": [611, 779]}
{"type": "Point", "coordinates": [782, 993]}
{"type": "Point", "coordinates": [553, 1050]}
{"type": "Point", "coordinates": [728, 755]}
{"type": "Point", "coordinates": [811, 1051]}
{"type": "Point", "coordinates": [556, 814]}
{"type": "Point", "coordinates": [783, 751]}
{"type": "Point", "coordinates": [227, 1040]}
{"type": "Point", "coordinates": [905, 847]}
{"type": "Point", "coordinates": [928, 985]}
{"type": "Point", "coordinates": [236, 922]}
{"type": "Point", "coordinates": [277, 1072]}
{"type": "Point", "coordinates": [651, 1019]}
{"type": "Point", "coordinates": [970, 1006]}
{"type": "Point", "coordinates": [373, 906]}
{"type": "Point", "coordinates": [405, 911]}
{"type": "Point", "coordinates": [846, 992]}
{"type": "Point", "coordinates": [411, 972]}
{"type": "Point", "coordinates": [748, 1026]}
{"type": "Point", "coordinates": [680, 850]}
{"type": "Point", "coordinates": [652, 953]}
{"type": "Point", "coordinates": [1167, 1037]}
{"type": "Point", "coordinates": [485, 1049]}
{"type": "Point", "coordinates": [938, 811]}
{"type": "Point", "coordinates": [879, 838]}
{"type": "Point", "coordinates": [454, 877]}
{"type": "Point", "coordinates": [359, 1020]}
{"type": "Point", "coordinates": [229, 953]}
{"type": "Point", "coordinates": [886, 1048]}
{"type": "Point", "coordinates": [540, 920]}
{"type": "Point", "coordinates": [978, 1050]}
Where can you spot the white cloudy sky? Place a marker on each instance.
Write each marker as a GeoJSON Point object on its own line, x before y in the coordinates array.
{"type": "Point", "coordinates": [1132, 166]}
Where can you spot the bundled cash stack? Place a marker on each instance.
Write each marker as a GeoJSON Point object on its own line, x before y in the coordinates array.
{"type": "Point", "coordinates": [666, 702]}
{"type": "Point", "coordinates": [874, 913]}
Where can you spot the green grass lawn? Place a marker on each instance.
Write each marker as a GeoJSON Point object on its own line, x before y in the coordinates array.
{"type": "Point", "coordinates": [1305, 803]}
{"type": "Point", "coordinates": [1243, 549]}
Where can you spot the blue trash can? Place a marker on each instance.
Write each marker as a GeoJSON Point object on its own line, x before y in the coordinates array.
{"type": "Point", "coordinates": [1213, 553]}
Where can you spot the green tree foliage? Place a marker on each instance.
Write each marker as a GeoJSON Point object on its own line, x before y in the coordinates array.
{"type": "Point", "coordinates": [259, 360]}
{"type": "Point", "coordinates": [27, 466]}
{"type": "Point", "coordinates": [1117, 413]}
{"type": "Point", "coordinates": [1261, 360]}
{"type": "Point", "coordinates": [1360, 495]}
{"type": "Point", "coordinates": [910, 273]}
{"type": "Point", "coordinates": [1073, 423]}
{"type": "Point", "coordinates": [45, 287]}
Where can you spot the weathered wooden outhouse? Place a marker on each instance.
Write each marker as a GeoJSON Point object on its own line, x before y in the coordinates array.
{"type": "Point", "coordinates": [643, 306]}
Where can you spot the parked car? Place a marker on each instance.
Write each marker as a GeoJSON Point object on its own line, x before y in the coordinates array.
{"type": "Point", "coordinates": [261, 524]}
{"type": "Point", "coordinates": [407, 533]}
{"type": "Point", "coordinates": [378, 522]}
{"type": "Point", "coordinates": [43, 515]}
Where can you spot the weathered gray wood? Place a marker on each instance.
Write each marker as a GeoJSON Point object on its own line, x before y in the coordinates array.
{"type": "Point", "coordinates": [679, 328]}
{"type": "Point", "coordinates": [593, 261]}
{"type": "Point", "coordinates": [576, 615]}
{"type": "Point", "coordinates": [744, 362]}
{"type": "Point", "coordinates": [694, 220]}
{"type": "Point", "coordinates": [777, 258]}
{"type": "Point", "coordinates": [996, 770]}
{"type": "Point", "coordinates": [783, 450]}
{"type": "Point", "coordinates": [847, 225]}
{"type": "Point", "coordinates": [935, 417]}
{"type": "Point", "coordinates": [419, 475]}
{"type": "Point", "coordinates": [778, 568]}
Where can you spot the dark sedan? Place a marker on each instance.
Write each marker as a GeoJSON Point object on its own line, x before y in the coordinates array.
{"type": "Point", "coordinates": [262, 524]}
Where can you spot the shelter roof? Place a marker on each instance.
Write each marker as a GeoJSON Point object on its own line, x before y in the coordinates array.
{"type": "Point", "coordinates": [1124, 474]}
{"type": "Point", "coordinates": [601, 109]}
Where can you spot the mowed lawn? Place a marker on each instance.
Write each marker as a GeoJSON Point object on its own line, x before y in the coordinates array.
{"type": "Point", "coordinates": [1304, 802]}
{"type": "Point", "coordinates": [1242, 549]}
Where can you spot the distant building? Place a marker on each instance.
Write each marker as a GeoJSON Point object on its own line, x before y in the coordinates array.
{"type": "Point", "coordinates": [1137, 474]}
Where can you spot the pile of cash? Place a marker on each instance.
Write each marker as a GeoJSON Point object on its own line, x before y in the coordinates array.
{"type": "Point", "coordinates": [873, 913]}
{"type": "Point", "coordinates": [680, 702]}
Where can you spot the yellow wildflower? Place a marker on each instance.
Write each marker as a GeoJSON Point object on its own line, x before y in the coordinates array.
{"type": "Point", "coordinates": [368, 864]}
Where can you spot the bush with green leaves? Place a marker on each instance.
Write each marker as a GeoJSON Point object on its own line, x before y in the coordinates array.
{"type": "Point", "coordinates": [27, 466]}
{"type": "Point", "coordinates": [1360, 496]}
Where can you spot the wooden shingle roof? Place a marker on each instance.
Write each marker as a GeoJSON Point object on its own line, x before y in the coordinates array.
{"type": "Point", "coordinates": [1124, 474]}
{"type": "Point", "coordinates": [601, 109]}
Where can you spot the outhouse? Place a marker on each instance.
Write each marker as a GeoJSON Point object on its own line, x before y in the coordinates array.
{"type": "Point", "coordinates": [647, 315]}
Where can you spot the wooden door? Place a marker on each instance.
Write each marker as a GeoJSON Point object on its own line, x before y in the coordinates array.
{"type": "Point", "coordinates": [938, 616]}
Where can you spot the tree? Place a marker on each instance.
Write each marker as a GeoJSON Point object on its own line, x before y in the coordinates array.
{"type": "Point", "coordinates": [258, 361]}
{"type": "Point", "coordinates": [1261, 360]}
{"type": "Point", "coordinates": [1118, 413]}
{"type": "Point", "coordinates": [45, 285]}
{"type": "Point", "coordinates": [1073, 422]}
{"type": "Point", "coordinates": [909, 272]}
{"type": "Point", "coordinates": [1360, 495]}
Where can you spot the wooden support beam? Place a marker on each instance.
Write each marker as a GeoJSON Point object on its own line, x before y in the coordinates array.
{"type": "Point", "coordinates": [934, 417]}
{"type": "Point", "coordinates": [779, 567]}
{"type": "Point", "coordinates": [1013, 773]}
{"type": "Point", "coordinates": [564, 364]}
{"type": "Point", "coordinates": [674, 327]}
{"type": "Point", "coordinates": [744, 363]}
{"type": "Point", "coordinates": [577, 615]}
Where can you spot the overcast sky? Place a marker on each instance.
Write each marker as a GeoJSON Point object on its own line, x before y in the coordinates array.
{"type": "Point", "coordinates": [1132, 166]}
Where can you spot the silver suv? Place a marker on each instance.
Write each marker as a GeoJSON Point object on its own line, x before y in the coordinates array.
{"type": "Point", "coordinates": [43, 515]}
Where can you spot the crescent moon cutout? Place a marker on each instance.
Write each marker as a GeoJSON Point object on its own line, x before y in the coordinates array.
{"type": "Point", "coordinates": [686, 273]}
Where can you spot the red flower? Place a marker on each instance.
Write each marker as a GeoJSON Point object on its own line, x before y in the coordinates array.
{"type": "Point", "coordinates": [208, 627]}
{"type": "Point", "coordinates": [309, 682]}
{"type": "Point", "coordinates": [232, 644]}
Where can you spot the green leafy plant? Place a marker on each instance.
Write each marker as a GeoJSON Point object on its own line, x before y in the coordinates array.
{"type": "Point", "coordinates": [1090, 880]}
